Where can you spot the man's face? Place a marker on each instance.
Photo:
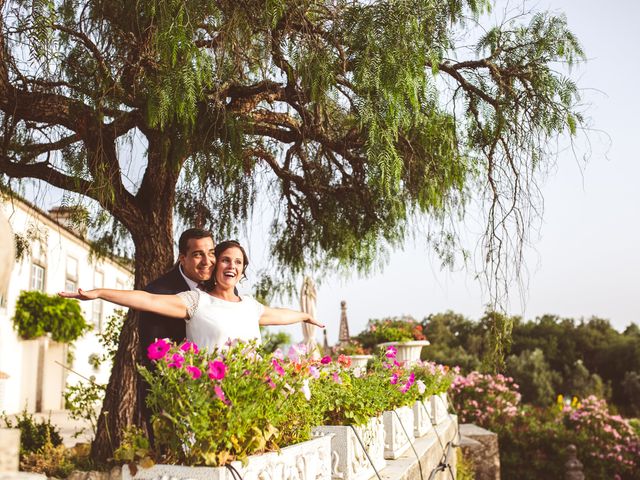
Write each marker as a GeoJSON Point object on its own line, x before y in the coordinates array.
{"type": "Point", "coordinates": [197, 263]}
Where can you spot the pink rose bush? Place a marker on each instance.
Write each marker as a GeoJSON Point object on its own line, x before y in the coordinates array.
{"type": "Point", "coordinates": [608, 444]}
{"type": "Point", "coordinates": [485, 399]}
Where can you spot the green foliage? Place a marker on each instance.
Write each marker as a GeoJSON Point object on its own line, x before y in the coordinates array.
{"type": "Point", "coordinates": [38, 313]}
{"type": "Point", "coordinates": [271, 341]}
{"type": "Point", "coordinates": [34, 434]}
{"type": "Point", "coordinates": [497, 341]}
{"type": "Point", "coordinates": [464, 467]}
{"type": "Point", "coordinates": [83, 399]}
{"type": "Point", "coordinates": [537, 382]}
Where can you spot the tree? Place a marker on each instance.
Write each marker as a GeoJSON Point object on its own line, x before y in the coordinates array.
{"type": "Point", "coordinates": [531, 372]}
{"type": "Point", "coordinates": [354, 117]}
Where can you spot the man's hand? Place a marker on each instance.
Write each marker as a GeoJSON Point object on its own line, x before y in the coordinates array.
{"type": "Point", "coordinates": [81, 295]}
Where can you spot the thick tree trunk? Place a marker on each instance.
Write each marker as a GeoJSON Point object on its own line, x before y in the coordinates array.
{"type": "Point", "coordinates": [120, 409]}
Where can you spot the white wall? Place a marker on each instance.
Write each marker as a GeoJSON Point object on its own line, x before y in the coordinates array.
{"type": "Point", "coordinates": [19, 358]}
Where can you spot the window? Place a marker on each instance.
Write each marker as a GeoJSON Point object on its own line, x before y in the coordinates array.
{"type": "Point", "coordinates": [71, 280]}
{"type": "Point", "coordinates": [37, 277]}
{"type": "Point", "coordinates": [97, 306]}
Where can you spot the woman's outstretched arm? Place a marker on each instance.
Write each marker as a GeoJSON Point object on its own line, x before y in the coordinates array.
{"type": "Point", "coordinates": [167, 305]}
{"type": "Point", "coordinates": [285, 316]}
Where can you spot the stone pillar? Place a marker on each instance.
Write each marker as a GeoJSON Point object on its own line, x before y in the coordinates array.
{"type": "Point", "coordinates": [480, 446]}
{"type": "Point", "coordinates": [573, 466]}
{"type": "Point", "coordinates": [343, 336]}
{"type": "Point", "coordinates": [9, 449]}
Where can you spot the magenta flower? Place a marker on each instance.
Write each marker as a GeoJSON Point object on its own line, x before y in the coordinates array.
{"type": "Point", "coordinates": [277, 367]}
{"type": "Point", "coordinates": [394, 379]}
{"type": "Point", "coordinates": [158, 349]}
{"type": "Point", "coordinates": [391, 352]}
{"type": "Point", "coordinates": [217, 370]}
{"type": "Point", "coordinates": [189, 346]}
{"type": "Point", "coordinates": [176, 361]}
{"type": "Point", "coordinates": [270, 382]}
{"type": "Point", "coordinates": [325, 360]}
{"type": "Point", "coordinates": [220, 394]}
{"type": "Point", "coordinates": [195, 372]}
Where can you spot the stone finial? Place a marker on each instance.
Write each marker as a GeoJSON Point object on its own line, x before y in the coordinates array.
{"type": "Point", "coordinates": [573, 466]}
{"type": "Point", "coordinates": [344, 324]}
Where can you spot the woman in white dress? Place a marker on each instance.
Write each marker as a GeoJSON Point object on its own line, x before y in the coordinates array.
{"type": "Point", "coordinates": [214, 316]}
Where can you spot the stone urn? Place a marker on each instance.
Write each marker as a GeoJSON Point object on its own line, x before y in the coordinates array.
{"type": "Point", "coordinates": [408, 351]}
{"type": "Point", "coordinates": [360, 361]}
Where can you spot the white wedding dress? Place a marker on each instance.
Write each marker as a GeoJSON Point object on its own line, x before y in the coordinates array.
{"type": "Point", "coordinates": [212, 322]}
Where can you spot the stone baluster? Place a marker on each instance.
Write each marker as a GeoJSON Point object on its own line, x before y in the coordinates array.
{"type": "Point", "coordinates": [573, 466]}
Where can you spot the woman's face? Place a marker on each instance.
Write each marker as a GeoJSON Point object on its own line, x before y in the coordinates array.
{"type": "Point", "coordinates": [229, 267]}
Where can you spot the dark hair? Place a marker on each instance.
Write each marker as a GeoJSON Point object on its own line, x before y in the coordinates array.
{"type": "Point", "coordinates": [219, 250]}
{"type": "Point", "coordinates": [192, 234]}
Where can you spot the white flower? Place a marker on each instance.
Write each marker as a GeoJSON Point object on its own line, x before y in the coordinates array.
{"type": "Point", "coordinates": [358, 372]}
{"type": "Point", "coordinates": [305, 389]}
{"type": "Point", "coordinates": [421, 386]}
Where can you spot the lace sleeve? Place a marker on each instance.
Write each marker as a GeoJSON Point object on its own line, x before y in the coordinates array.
{"type": "Point", "coordinates": [190, 298]}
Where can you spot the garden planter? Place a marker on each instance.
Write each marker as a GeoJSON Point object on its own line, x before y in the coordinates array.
{"type": "Point", "coordinates": [360, 361]}
{"type": "Point", "coordinates": [398, 432]}
{"type": "Point", "coordinates": [437, 405]}
{"type": "Point", "coordinates": [408, 352]}
{"type": "Point", "coordinates": [348, 459]}
{"type": "Point", "coordinates": [309, 460]}
{"type": "Point", "coordinates": [421, 419]}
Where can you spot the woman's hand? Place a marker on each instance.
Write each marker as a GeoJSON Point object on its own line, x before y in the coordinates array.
{"type": "Point", "coordinates": [81, 294]}
{"type": "Point", "coordinates": [313, 321]}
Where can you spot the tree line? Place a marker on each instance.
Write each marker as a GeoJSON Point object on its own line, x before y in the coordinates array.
{"type": "Point", "coordinates": [547, 356]}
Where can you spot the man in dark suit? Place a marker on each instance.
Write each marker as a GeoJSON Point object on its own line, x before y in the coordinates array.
{"type": "Point", "coordinates": [195, 265]}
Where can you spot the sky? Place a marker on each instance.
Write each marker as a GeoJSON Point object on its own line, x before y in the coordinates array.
{"type": "Point", "coordinates": [584, 257]}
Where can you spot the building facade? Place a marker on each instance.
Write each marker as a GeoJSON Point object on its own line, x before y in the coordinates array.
{"type": "Point", "coordinates": [55, 257]}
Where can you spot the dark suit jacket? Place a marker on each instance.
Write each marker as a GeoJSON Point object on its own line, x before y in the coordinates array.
{"type": "Point", "coordinates": [152, 325]}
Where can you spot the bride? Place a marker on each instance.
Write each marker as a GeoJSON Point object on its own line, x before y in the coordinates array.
{"type": "Point", "coordinates": [213, 316]}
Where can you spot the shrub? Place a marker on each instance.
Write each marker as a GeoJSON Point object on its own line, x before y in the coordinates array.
{"type": "Point", "coordinates": [38, 313]}
{"type": "Point", "coordinates": [34, 435]}
{"type": "Point", "coordinates": [485, 399]}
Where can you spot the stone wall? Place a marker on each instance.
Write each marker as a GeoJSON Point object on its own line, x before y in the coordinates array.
{"type": "Point", "coordinates": [480, 448]}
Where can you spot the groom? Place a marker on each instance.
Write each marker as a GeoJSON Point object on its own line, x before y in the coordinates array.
{"type": "Point", "coordinates": [195, 265]}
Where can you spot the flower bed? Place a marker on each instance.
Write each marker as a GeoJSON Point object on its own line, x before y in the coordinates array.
{"type": "Point", "coordinates": [240, 406]}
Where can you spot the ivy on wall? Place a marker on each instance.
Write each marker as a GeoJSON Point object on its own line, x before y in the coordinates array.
{"type": "Point", "coordinates": [38, 314]}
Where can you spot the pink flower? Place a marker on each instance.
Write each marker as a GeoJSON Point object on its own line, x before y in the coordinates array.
{"type": "Point", "coordinates": [277, 367]}
{"type": "Point", "coordinates": [326, 359]}
{"type": "Point", "coordinates": [270, 382]}
{"type": "Point", "coordinates": [217, 370]}
{"type": "Point", "coordinates": [220, 394]}
{"type": "Point", "coordinates": [344, 360]}
{"type": "Point", "coordinates": [158, 349]}
{"type": "Point", "coordinates": [296, 351]}
{"type": "Point", "coordinates": [314, 372]}
{"type": "Point", "coordinates": [391, 352]}
{"type": "Point", "coordinates": [278, 354]}
{"type": "Point", "coordinates": [176, 361]}
{"type": "Point", "coordinates": [189, 347]}
{"type": "Point", "coordinates": [394, 379]}
{"type": "Point", "coordinates": [195, 372]}
{"type": "Point", "coordinates": [336, 378]}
